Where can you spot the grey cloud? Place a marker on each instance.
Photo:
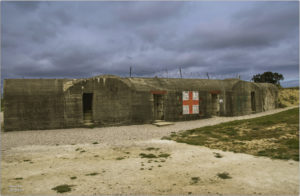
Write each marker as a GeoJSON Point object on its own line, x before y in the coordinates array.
{"type": "Point", "coordinates": [26, 6]}
{"type": "Point", "coordinates": [145, 12]}
{"type": "Point", "coordinates": [81, 39]}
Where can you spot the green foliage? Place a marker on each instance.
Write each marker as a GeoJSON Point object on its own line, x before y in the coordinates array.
{"type": "Point", "coordinates": [63, 188]}
{"type": "Point", "coordinates": [152, 148]}
{"type": "Point", "coordinates": [143, 155]}
{"type": "Point", "coordinates": [268, 77]}
{"type": "Point", "coordinates": [164, 155]}
{"type": "Point", "coordinates": [224, 175]}
{"type": "Point", "coordinates": [92, 174]}
{"type": "Point", "coordinates": [195, 180]}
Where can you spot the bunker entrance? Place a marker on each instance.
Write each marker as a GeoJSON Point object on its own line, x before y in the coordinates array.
{"type": "Point", "coordinates": [87, 103]}
{"type": "Point", "coordinates": [158, 107]}
{"type": "Point", "coordinates": [253, 108]}
{"type": "Point", "coordinates": [215, 110]}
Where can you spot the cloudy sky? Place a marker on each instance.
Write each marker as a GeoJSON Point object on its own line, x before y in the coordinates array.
{"type": "Point", "coordinates": [85, 39]}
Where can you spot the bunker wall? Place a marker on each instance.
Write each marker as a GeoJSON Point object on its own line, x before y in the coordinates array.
{"type": "Point", "coordinates": [33, 104]}
{"type": "Point", "coordinates": [111, 102]}
{"type": "Point", "coordinates": [246, 99]}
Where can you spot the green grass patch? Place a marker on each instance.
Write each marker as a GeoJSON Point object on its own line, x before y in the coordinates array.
{"type": "Point", "coordinates": [164, 155]}
{"type": "Point", "coordinates": [18, 178]}
{"type": "Point", "coordinates": [63, 188]}
{"type": "Point", "coordinates": [73, 177]}
{"type": "Point", "coordinates": [120, 158]}
{"type": "Point", "coordinates": [194, 180]}
{"type": "Point", "coordinates": [152, 148]}
{"type": "Point", "coordinates": [149, 156]}
{"type": "Point", "coordinates": [92, 174]}
{"type": "Point", "coordinates": [224, 175]}
{"type": "Point", "coordinates": [280, 133]}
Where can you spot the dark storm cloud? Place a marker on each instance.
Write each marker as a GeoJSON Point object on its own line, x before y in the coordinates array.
{"type": "Point", "coordinates": [83, 39]}
{"type": "Point", "coordinates": [26, 6]}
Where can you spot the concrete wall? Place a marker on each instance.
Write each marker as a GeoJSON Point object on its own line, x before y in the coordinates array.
{"type": "Point", "coordinates": [52, 103]}
{"type": "Point", "coordinates": [111, 102]}
{"type": "Point", "coordinates": [33, 104]}
{"type": "Point", "coordinates": [241, 98]}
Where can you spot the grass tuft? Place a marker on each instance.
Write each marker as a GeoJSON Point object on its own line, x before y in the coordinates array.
{"type": "Point", "coordinates": [224, 175]}
{"type": "Point", "coordinates": [149, 156]}
{"type": "Point", "coordinates": [63, 188]}
{"type": "Point", "coordinates": [195, 180]}
{"type": "Point", "coordinates": [164, 155]}
{"type": "Point", "coordinates": [92, 174]}
{"type": "Point", "coordinates": [152, 148]}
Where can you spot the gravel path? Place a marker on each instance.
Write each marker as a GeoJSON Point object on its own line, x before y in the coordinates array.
{"type": "Point", "coordinates": [114, 136]}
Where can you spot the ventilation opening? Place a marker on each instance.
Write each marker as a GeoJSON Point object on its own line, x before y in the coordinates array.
{"type": "Point", "coordinates": [215, 110]}
{"type": "Point", "coordinates": [87, 103]}
{"type": "Point", "coordinates": [158, 107]}
{"type": "Point", "coordinates": [253, 107]}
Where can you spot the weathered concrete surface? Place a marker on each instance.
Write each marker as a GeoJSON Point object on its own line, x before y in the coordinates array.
{"type": "Point", "coordinates": [52, 103]}
{"type": "Point", "coordinates": [33, 104]}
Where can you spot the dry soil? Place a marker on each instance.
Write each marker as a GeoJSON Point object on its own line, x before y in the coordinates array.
{"type": "Point", "coordinates": [33, 162]}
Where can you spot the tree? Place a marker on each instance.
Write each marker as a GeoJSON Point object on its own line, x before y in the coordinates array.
{"type": "Point", "coordinates": [268, 77]}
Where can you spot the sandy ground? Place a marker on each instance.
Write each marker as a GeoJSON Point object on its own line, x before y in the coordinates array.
{"type": "Point", "coordinates": [42, 165]}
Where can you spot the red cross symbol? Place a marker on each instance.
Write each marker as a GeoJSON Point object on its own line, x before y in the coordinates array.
{"type": "Point", "coordinates": [190, 102]}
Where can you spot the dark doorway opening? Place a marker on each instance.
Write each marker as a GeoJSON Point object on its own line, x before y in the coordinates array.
{"type": "Point", "coordinates": [253, 107]}
{"type": "Point", "coordinates": [158, 107]}
{"type": "Point", "coordinates": [215, 110]}
{"type": "Point", "coordinates": [87, 103]}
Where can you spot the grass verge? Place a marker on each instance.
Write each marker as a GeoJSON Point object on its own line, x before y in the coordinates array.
{"type": "Point", "coordinates": [275, 136]}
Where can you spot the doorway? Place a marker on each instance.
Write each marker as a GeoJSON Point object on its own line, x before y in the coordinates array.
{"type": "Point", "coordinates": [215, 107]}
{"type": "Point", "coordinates": [253, 106]}
{"type": "Point", "coordinates": [87, 103]}
{"type": "Point", "coordinates": [158, 107]}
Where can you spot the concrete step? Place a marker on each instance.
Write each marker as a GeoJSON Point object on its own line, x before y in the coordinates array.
{"type": "Point", "coordinates": [162, 123]}
{"type": "Point", "coordinates": [87, 116]}
{"type": "Point", "coordinates": [88, 123]}
{"type": "Point", "coordinates": [156, 121]}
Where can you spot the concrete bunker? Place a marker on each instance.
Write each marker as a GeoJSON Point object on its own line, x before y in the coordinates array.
{"type": "Point", "coordinates": [215, 104]}
{"type": "Point", "coordinates": [87, 106]}
{"type": "Point", "coordinates": [110, 100]}
{"type": "Point", "coordinates": [158, 106]}
{"type": "Point", "coordinates": [253, 105]}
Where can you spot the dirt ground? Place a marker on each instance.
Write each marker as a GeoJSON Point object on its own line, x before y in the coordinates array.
{"type": "Point", "coordinates": [34, 169]}
{"type": "Point", "coordinates": [46, 167]}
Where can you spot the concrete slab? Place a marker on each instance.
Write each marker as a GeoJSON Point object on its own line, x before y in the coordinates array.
{"type": "Point", "coordinates": [162, 123]}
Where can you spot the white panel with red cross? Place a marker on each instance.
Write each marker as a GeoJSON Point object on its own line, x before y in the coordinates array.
{"type": "Point", "coordinates": [190, 102]}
